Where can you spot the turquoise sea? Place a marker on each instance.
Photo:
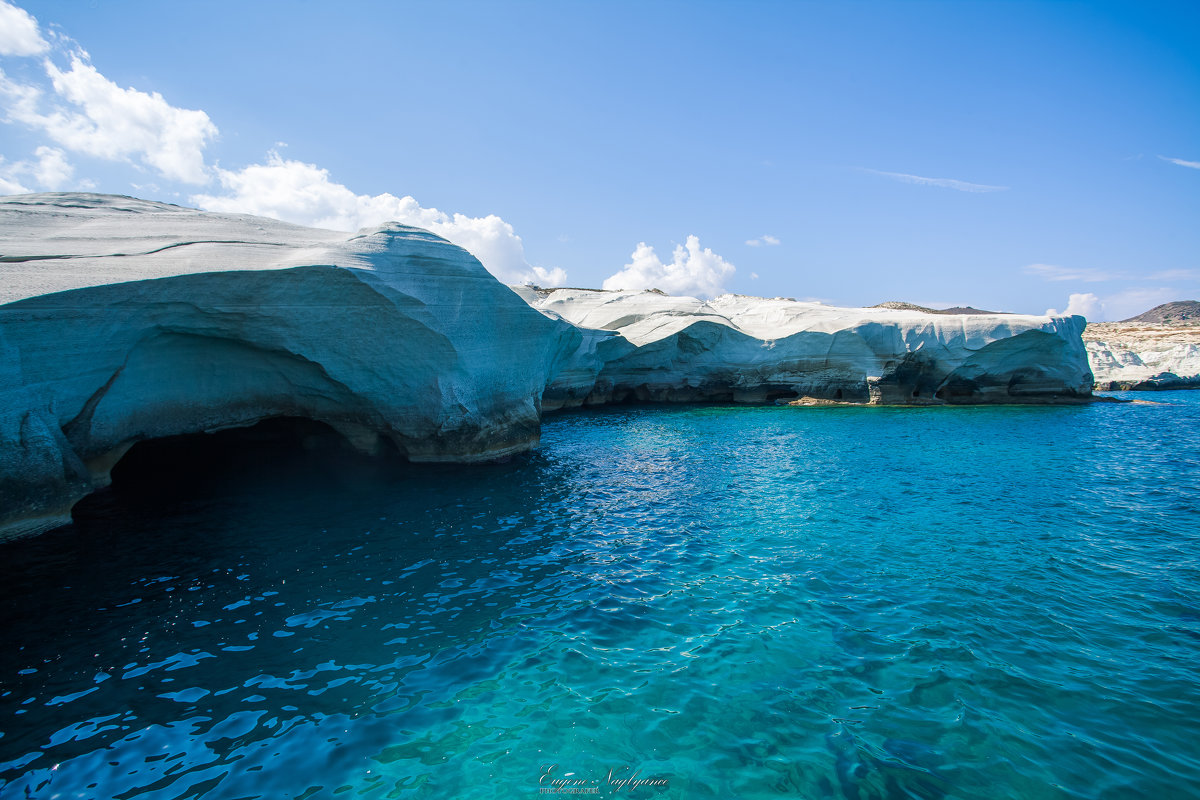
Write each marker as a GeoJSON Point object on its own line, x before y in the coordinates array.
{"type": "Point", "coordinates": [730, 602]}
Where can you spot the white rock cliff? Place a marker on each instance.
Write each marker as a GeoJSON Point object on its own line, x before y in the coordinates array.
{"type": "Point", "coordinates": [1138, 355]}
{"type": "Point", "coordinates": [123, 320]}
{"type": "Point", "coordinates": [652, 347]}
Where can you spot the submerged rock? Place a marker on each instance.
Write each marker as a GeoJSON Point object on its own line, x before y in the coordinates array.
{"type": "Point", "coordinates": [123, 320]}
{"type": "Point", "coordinates": [651, 347]}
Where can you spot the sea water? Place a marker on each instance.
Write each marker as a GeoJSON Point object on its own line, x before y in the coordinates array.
{"type": "Point", "coordinates": [726, 602]}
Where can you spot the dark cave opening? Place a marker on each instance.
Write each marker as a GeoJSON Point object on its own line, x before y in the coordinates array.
{"type": "Point", "coordinates": [176, 469]}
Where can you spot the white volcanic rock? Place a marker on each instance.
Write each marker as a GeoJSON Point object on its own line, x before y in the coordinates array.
{"type": "Point", "coordinates": [123, 320]}
{"type": "Point", "coordinates": [1135, 355]}
{"type": "Point", "coordinates": [750, 349]}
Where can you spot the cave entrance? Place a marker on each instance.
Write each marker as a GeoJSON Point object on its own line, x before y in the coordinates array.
{"type": "Point", "coordinates": [176, 469]}
{"type": "Point", "coordinates": [193, 456]}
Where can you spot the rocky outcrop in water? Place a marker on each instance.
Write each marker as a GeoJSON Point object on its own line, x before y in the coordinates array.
{"type": "Point", "coordinates": [1141, 355]}
{"type": "Point", "coordinates": [123, 320]}
{"type": "Point", "coordinates": [647, 346]}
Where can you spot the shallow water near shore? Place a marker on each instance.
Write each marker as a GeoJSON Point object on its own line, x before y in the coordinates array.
{"type": "Point", "coordinates": [733, 602]}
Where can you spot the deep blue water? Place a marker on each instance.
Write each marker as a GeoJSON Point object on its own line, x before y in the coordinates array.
{"type": "Point", "coordinates": [741, 602]}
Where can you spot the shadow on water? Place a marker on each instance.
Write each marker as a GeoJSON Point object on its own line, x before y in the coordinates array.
{"type": "Point", "coordinates": [310, 582]}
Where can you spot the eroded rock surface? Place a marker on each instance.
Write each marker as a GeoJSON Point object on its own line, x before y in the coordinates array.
{"type": "Point", "coordinates": [1145, 355]}
{"type": "Point", "coordinates": [653, 347]}
{"type": "Point", "coordinates": [123, 320]}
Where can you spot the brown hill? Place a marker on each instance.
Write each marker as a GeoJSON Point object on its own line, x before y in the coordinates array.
{"type": "Point", "coordinates": [896, 305]}
{"type": "Point", "coordinates": [1181, 312]}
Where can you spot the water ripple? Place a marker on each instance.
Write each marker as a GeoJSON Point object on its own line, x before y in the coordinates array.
{"type": "Point", "coordinates": [745, 602]}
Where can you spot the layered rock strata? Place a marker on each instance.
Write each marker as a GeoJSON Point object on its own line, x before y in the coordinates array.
{"type": "Point", "coordinates": [123, 320]}
{"type": "Point", "coordinates": [1140, 355]}
{"type": "Point", "coordinates": [647, 346]}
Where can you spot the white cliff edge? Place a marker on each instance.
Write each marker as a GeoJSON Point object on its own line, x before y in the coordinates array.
{"type": "Point", "coordinates": [648, 346]}
{"type": "Point", "coordinates": [123, 320]}
{"type": "Point", "coordinates": [1130, 355]}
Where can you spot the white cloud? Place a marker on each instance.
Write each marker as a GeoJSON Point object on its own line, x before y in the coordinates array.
{"type": "Point", "coordinates": [10, 182]}
{"type": "Point", "coordinates": [1121, 305]}
{"type": "Point", "coordinates": [304, 194]}
{"type": "Point", "coordinates": [117, 124]}
{"type": "Point", "coordinates": [944, 183]}
{"type": "Point", "coordinates": [1132, 302]}
{"type": "Point", "coordinates": [20, 99]}
{"type": "Point", "coordinates": [1175, 275]}
{"type": "Point", "coordinates": [692, 271]}
{"type": "Point", "coordinates": [87, 113]}
{"type": "Point", "coordinates": [1085, 304]}
{"type": "Point", "coordinates": [1181, 162]}
{"type": "Point", "coordinates": [19, 34]}
{"type": "Point", "coordinates": [50, 171]}
{"type": "Point", "coordinates": [765, 239]}
{"type": "Point", "coordinates": [1053, 272]}
{"type": "Point", "coordinates": [84, 112]}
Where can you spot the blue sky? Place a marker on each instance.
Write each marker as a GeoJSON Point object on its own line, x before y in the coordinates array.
{"type": "Point", "coordinates": [1008, 155]}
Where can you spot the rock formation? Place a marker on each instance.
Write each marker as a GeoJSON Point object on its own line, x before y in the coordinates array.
{"type": "Point", "coordinates": [1136, 354]}
{"type": "Point", "coordinates": [123, 320]}
{"type": "Point", "coordinates": [648, 346]}
{"type": "Point", "coordinates": [897, 305]}
{"type": "Point", "coordinates": [1180, 312]}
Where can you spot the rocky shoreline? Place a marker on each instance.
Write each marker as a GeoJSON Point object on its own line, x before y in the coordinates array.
{"type": "Point", "coordinates": [1137, 355]}
{"type": "Point", "coordinates": [123, 321]}
{"type": "Point", "coordinates": [651, 347]}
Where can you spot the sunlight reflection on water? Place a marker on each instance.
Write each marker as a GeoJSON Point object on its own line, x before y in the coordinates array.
{"type": "Point", "coordinates": [744, 602]}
